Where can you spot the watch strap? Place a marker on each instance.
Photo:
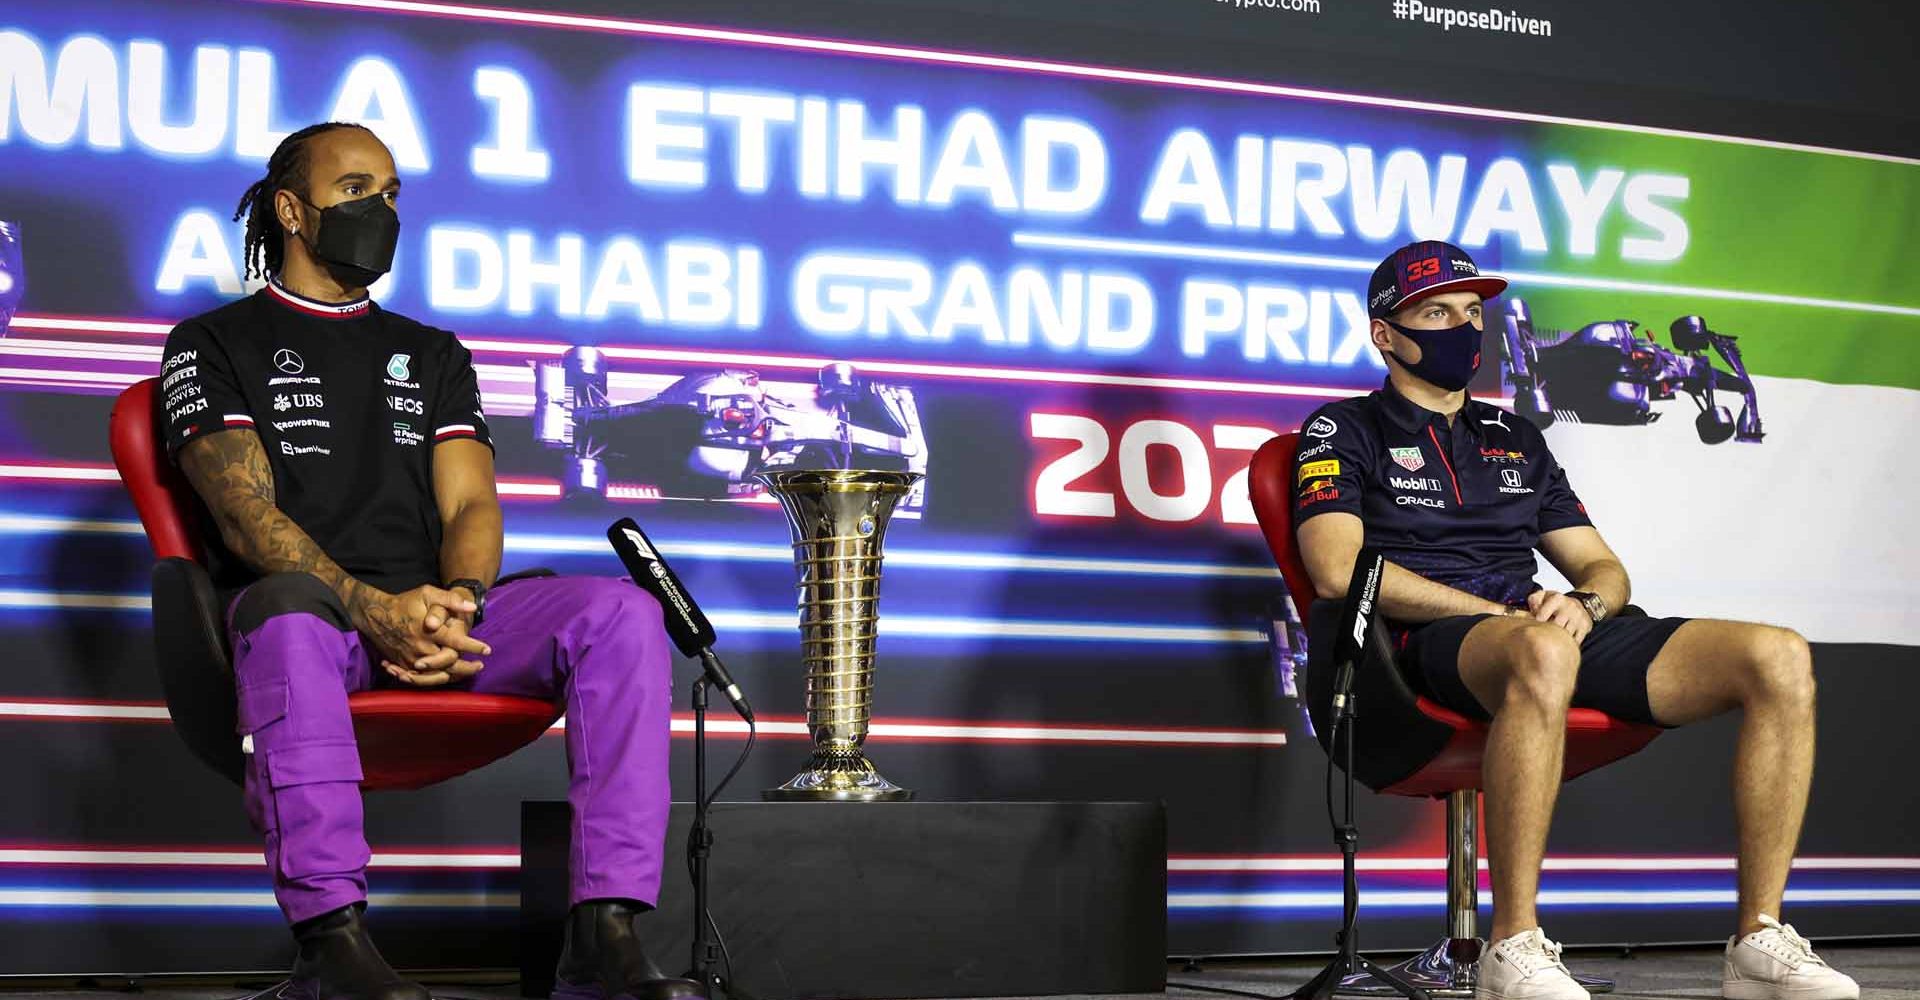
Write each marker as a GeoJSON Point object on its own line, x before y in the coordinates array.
{"type": "Point", "coordinates": [1595, 605]}
{"type": "Point", "coordinates": [477, 589]}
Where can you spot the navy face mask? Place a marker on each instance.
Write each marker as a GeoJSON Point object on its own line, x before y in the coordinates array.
{"type": "Point", "coordinates": [1448, 358]}
{"type": "Point", "coordinates": [357, 239]}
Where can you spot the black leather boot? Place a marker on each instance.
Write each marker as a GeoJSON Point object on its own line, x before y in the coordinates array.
{"type": "Point", "coordinates": [603, 958]}
{"type": "Point", "coordinates": [337, 961]}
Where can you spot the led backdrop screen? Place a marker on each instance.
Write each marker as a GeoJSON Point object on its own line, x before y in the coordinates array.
{"type": "Point", "coordinates": [1076, 297]}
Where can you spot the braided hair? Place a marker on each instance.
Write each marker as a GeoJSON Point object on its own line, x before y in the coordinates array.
{"type": "Point", "coordinates": [286, 168]}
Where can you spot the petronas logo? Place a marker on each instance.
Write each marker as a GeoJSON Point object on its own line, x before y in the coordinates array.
{"type": "Point", "coordinates": [397, 367]}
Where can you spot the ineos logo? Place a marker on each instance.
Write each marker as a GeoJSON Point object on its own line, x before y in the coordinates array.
{"type": "Point", "coordinates": [288, 362]}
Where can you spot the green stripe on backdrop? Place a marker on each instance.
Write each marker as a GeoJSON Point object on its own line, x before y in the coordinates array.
{"type": "Point", "coordinates": [1760, 220]}
{"type": "Point", "coordinates": [1826, 345]}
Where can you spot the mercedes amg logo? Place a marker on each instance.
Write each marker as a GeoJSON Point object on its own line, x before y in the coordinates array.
{"type": "Point", "coordinates": [288, 362]}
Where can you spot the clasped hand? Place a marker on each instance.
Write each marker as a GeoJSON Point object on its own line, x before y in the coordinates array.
{"type": "Point", "coordinates": [421, 636]}
{"type": "Point", "coordinates": [1559, 609]}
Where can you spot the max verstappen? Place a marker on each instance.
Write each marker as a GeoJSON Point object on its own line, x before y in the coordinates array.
{"type": "Point", "coordinates": [1458, 494]}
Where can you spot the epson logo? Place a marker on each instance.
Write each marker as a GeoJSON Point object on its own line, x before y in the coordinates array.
{"type": "Point", "coordinates": [180, 359]}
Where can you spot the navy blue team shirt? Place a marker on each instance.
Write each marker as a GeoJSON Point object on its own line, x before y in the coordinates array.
{"type": "Point", "coordinates": [1463, 505]}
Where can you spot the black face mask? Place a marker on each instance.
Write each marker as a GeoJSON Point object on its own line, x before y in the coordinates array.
{"type": "Point", "coordinates": [1448, 358]}
{"type": "Point", "coordinates": [356, 239]}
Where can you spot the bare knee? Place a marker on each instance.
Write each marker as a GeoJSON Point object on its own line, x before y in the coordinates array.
{"type": "Point", "coordinates": [1542, 668]}
{"type": "Point", "coordinates": [1779, 668]}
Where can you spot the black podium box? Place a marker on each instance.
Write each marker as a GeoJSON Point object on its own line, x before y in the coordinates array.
{"type": "Point", "coordinates": [908, 899]}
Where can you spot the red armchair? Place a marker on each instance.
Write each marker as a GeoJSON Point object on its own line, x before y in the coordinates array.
{"type": "Point", "coordinates": [1410, 745]}
{"type": "Point", "coordinates": [407, 738]}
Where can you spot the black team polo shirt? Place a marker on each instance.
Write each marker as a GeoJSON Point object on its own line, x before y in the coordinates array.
{"type": "Point", "coordinates": [349, 401]}
{"type": "Point", "coordinates": [1463, 505]}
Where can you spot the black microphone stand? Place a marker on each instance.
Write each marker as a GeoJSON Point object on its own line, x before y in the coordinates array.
{"type": "Point", "coordinates": [1349, 962]}
{"type": "Point", "coordinates": [706, 953]}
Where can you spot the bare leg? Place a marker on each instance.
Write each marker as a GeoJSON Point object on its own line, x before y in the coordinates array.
{"type": "Point", "coordinates": [1709, 667]}
{"type": "Point", "coordinates": [1523, 671]}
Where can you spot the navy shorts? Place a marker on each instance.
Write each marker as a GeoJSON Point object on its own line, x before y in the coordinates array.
{"type": "Point", "coordinates": [1614, 660]}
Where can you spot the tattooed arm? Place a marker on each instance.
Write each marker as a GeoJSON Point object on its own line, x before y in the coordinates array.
{"type": "Point", "coordinates": [230, 471]}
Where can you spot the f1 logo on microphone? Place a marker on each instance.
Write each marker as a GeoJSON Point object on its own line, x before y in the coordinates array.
{"type": "Point", "coordinates": [640, 542]}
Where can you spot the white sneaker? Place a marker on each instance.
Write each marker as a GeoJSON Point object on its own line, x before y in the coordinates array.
{"type": "Point", "coordinates": [1525, 967]}
{"type": "Point", "coordinates": [1775, 963]}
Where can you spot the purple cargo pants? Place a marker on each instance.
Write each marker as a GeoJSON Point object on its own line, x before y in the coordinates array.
{"type": "Point", "coordinates": [592, 645]}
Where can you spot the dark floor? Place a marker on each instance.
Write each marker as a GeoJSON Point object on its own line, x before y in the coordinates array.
{"type": "Point", "coordinates": [1884, 973]}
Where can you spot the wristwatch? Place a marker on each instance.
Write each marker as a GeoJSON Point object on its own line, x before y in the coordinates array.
{"type": "Point", "coordinates": [1595, 604]}
{"type": "Point", "coordinates": [479, 592]}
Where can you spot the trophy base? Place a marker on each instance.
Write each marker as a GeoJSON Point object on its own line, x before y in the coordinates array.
{"type": "Point", "coordinates": [838, 777]}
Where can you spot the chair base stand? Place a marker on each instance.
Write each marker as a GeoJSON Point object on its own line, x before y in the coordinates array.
{"type": "Point", "coordinates": [1443, 971]}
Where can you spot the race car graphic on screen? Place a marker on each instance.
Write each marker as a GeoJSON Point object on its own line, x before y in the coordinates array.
{"type": "Point", "coordinates": [1287, 643]}
{"type": "Point", "coordinates": [706, 434]}
{"type": "Point", "coordinates": [1606, 373]}
{"type": "Point", "coordinates": [13, 274]}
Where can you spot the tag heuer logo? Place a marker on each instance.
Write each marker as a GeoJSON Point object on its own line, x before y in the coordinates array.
{"type": "Point", "coordinates": [1409, 459]}
{"type": "Point", "coordinates": [397, 367]}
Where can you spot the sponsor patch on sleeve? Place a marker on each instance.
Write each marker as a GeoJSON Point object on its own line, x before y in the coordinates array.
{"type": "Point", "coordinates": [1320, 470]}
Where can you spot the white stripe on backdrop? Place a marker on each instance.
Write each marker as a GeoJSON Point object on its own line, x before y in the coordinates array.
{"type": "Point", "coordinates": [1810, 528]}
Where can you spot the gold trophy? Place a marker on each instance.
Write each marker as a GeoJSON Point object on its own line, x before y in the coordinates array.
{"type": "Point", "coordinates": [838, 518]}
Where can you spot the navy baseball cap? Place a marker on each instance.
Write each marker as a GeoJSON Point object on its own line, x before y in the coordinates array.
{"type": "Point", "coordinates": [1418, 270]}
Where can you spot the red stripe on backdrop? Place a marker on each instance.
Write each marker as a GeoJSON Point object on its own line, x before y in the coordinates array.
{"type": "Point", "coordinates": [903, 730]}
{"type": "Point", "coordinates": [507, 856]}
{"type": "Point", "coordinates": [480, 343]}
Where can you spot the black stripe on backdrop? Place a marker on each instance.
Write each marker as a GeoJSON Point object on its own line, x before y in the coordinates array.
{"type": "Point", "coordinates": [1834, 74]}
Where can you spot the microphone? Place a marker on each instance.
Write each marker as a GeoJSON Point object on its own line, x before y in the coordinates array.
{"type": "Point", "coordinates": [686, 626]}
{"type": "Point", "coordinates": [1356, 616]}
